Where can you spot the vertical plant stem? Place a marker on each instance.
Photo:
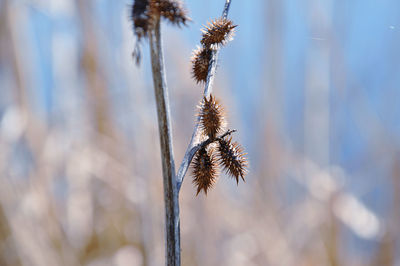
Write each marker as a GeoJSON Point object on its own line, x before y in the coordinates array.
{"type": "Point", "coordinates": [172, 248]}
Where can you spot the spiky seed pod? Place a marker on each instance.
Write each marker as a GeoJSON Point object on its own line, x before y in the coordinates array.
{"type": "Point", "coordinates": [140, 18]}
{"type": "Point", "coordinates": [200, 63]}
{"type": "Point", "coordinates": [204, 170]}
{"type": "Point", "coordinates": [170, 9]}
{"type": "Point", "coordinates": [231, 157]}
{"type": "Point", "coordinates": [211, 116]}
{"type": "Point", "coordinates": [218, 32]}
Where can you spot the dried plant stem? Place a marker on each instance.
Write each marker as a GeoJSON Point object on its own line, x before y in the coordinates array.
{"type": "Point", "coordinates": [195, 143]}
{"type": "Point", "coordinates": [171, 182]}
{"type": "Point", "coordinates": [171, 201]}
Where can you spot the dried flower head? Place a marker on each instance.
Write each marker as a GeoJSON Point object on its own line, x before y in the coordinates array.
{"type": "Point", "coordinates": [200, 63]}
{"type": "Point", "coordinates": [218, 32]}
{"type": "Point", "coordinates": [204, 170]}
{"type": "Point", "coordinates": [142, 22]}
{"type": "Point", "coordinates": [141, 18]}
{"type": "Point", "coordinates": [170, 9]}
{"type": "Point", "coordinates": [211, 117]}
{"type": "Point", "coordinates": [231, 157]}
{"type": "Point", "coordinates": [145, 12]}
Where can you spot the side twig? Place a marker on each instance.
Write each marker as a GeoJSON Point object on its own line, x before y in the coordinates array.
{"type": "Point", "coordinates": [168, 165]}
{"type": "Point", "coordinates": [211, 140]}
{"type": "Point", "coordinates": [195, 143]}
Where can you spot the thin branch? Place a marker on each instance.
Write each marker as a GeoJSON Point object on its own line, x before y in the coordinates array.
{"type": "Point", "coordinates": [211, 140]}
{"type": "Point", "coordinates": [195, 143]}
{"type": "Point", "coordinates": [227, 133]}
{"type": "Point", "coordinates": [226, 9]}
{"type": "Point", "coordinates": [172, 246]}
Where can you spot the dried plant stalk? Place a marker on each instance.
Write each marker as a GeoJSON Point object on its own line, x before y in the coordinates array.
{"type": "Point", "coordinates": [172, 246]}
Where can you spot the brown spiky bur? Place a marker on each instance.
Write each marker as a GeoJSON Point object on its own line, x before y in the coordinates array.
{"type": "Point", "coordinates": [172, 10]}
{"type": "Point", "coordinates": [204, 169]}
{"type": "Point", "coordinates": [218, 32]}
{"type": "Point", "coordinates": [211, 114]}
{"type": "Point", "coordinates": [231, 157]}
{"type": "Point", "coordinates": [200, 63]}
{"type": "Point", "coordinates": [143, 13]}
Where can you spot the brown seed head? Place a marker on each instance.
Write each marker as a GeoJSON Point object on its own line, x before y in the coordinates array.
{"type": "Point", "coordinates": [140, 18]}
{"type": "Point", "coordinates": [231, 157]}
{"type": "Point", "coordinates": [145, 12]}
{"type": "Point", "coordinates": [172, 10]}
{"type": "Point", "coordinates": [142, 23]}
{"type": "Point", "coordinates": [200, 63]}
{"type": "Point", "coordinates": [218, 32]}
{"type": "Point", "coordinates": [204, 170]}
{"type": "Point", "coordinates": [211, 117]}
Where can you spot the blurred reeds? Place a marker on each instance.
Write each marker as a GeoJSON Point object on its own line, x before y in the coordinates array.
{"type": "Point", "coordinates": [80, 182]}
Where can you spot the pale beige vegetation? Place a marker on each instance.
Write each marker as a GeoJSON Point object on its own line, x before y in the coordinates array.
{"type": "Point", "coordinates": [84, 186]}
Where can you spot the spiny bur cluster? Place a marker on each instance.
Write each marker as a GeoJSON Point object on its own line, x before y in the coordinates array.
{"type": "Point", "coordinates": [218, 32]}
{"type": "Point", "coordinates": [229, 155]}
{"type": "Point", "coordinates": [211, 116]}
{"type": "Point", "coordinates": [145, 12]}
{"type": "Point", "coordinates": [200, 62]}
{"type": "Point", "coordinates": [232, 158]}
{"type": "Point", "coordinates": [204, 170]}
{"type": "Point", "coordinates": [172, 10]}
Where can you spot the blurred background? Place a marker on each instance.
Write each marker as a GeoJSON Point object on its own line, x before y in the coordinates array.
{"type": "Point", "coordinates": [313, 88]}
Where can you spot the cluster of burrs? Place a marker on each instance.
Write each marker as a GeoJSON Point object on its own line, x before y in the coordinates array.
{"type": "Point", "coordinates": [218, 150]}
{"type": "Point", "coordinates": [217, 33]}
{"type": "Point", "coordinates": [144, 13]}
